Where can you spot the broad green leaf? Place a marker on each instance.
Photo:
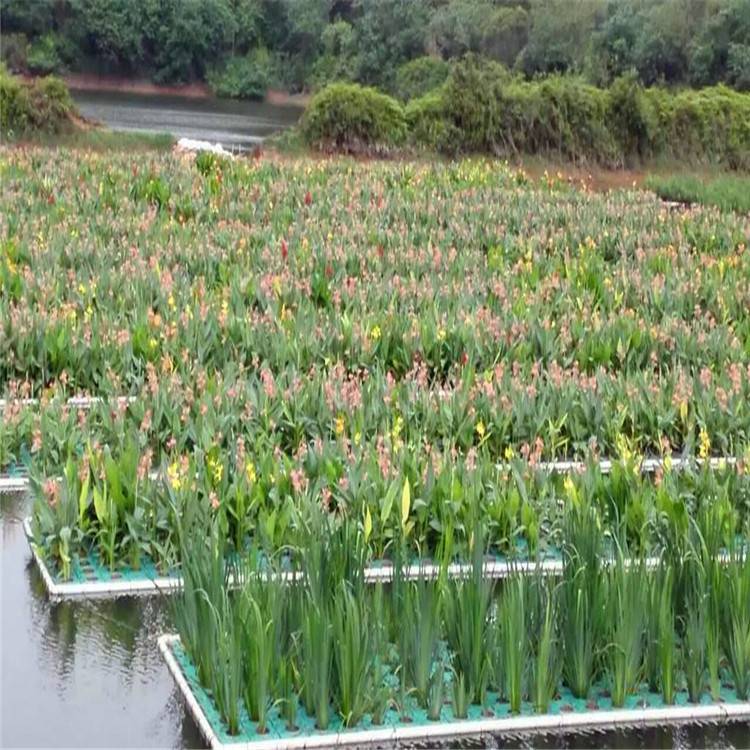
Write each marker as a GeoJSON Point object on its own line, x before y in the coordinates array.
{"type": "Point", "coordinates": [405, 503]}
{"type": "Point", "coordinates": [100, 505]}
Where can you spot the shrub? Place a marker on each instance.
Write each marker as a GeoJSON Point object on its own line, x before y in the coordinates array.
{"type": "Point", "coordinates": [420, 76]}
{"type": "Point", "coordinates": [43, 56]}
{"type": "Point", "coordinates": [429, 126]}
{"type": "Point", "coordinates": [711, 124]}
{"type": "Point", "coordinates": [51, 104]}
{"type": "Point", "coordinates": [571, 121]}
{"type": "Point", "coordinates": [632, 121]}
{"type": "Point", "coordinates": [473, 100]}
{"type": "Point", "coordinates": [43, 106]}
{"type": "Point", "coordinates": [14, 103]}
{"type": "Point", "coordinates": [353, 118]}
{"type": "Point", "coordinates": [243, 77]}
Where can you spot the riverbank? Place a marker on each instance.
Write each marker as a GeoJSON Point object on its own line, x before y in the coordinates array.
{"type": "Point", "coordinates": [142, 86]}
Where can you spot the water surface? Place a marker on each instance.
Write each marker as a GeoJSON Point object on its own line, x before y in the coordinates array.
{"type": "Point", "coordinates": [80, 674]}
{"type": "Point", "coordinates": [233, 124]}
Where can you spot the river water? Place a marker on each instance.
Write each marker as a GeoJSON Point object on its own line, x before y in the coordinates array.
{"type": "Point", "coordinates": [233, 124]}
{"type": "Point", "coordinates": [90, 674]}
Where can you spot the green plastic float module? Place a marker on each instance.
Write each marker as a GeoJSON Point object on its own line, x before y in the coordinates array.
{"type": "Point", "coordinates": [92, 579]}
{"type": "Point", "coordinates": [566, 714]}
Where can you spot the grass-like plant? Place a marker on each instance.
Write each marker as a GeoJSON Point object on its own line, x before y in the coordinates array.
{"type": "Point", "coordinates": [583, 597]}
{"type": "Point", "coordinates": [737, 620]}
{"type": "Point", "coordinates": [546, 661]}
{"type": "Point", "coordinates": [513, 624]}
{"type": "Point", "coordinates": [353, 655]}
{"type": "Point", "coordinates": [466, 615]}
{"type": "Point", "coordinates": [259, 636]}
{"type": "Point", "coordinates": [666, 644]}
{"type": "Point", "coordinates": [626, 610]}
{"type": "Point", "coordinates": [422, 629]}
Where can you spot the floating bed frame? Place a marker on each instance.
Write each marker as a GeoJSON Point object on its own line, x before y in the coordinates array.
{"type": "Point", "coordinates": [572, 721]}
{"type": "Point", "coordinates": [141, 584]}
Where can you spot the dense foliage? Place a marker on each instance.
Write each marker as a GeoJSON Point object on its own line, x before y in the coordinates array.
{"type": "Point", "coordinates": [43, 105]}
{"type": "Point", "coordinates": [349, 117]}
{"type": "Point", "coordinates": [305, 333]}
{"type": "Point", "coordinates": [482, 108]}
{"type": "Point", "coordinates": [304, 43]}
{"type": "Point", "coordinates": [330, 653]}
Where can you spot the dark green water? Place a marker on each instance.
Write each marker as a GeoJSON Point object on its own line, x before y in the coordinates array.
{"type": "Point", "coordinates": [233, 124]}
{"type": "Point", "coordinates": [90, 674]}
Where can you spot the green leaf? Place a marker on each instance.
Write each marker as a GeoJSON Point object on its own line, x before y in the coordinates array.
{"type": "Point", "coordinates": [100, 505]}
{"type": "Point", "coordinates": [405, 503]}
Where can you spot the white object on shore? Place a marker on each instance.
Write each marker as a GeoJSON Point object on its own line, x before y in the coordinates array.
{"type": "Point", "coordinates": [189, 144]}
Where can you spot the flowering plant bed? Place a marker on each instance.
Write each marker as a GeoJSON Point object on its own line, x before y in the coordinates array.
{"type": "Point", "coordinates": [566, 713]}
{"type": "Point", "coordinates": [92, 579]}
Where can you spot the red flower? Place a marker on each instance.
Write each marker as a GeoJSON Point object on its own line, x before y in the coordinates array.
{"type": "Point", "coordinates": [308, 198]}
{"type": "Point", "coordinates": [284, 250]}
{"type": "Point", "coordinates": [464, 359]}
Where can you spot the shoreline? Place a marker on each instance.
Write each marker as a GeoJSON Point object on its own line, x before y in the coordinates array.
{"type": "Point", "coordinates": [122, 84]}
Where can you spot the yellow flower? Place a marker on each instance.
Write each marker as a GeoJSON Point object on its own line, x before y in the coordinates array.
{"type": "Point", "coordinates": [509, 453]}
{"type": "Point", "coordinates": [216, 468]}
{"type": "Point", "coordinates": [171, 302]}
{"type": "Point", "coordinates": [375, 333]}
{"type": "Point", "coordinates": [173, 474]}
{"type": "Point", "coordinates": [667, 463]}
{"type": "Point", "coordinates": [398, 425]}
{"type": "Point", "coordinates": [340, 425]}
{"type": "Point", "coordinates": [481, 429]}
{"type": "Point", "coordinates": [683, 411]}
{"type": "Point", "coordinates": [357, 438]}
{"type": "Point", "coordinates": [250, 472]}
{"type": "Point", "coordinates": [441, 334]}
{"type": "Point", "coordinates": [705, 444]}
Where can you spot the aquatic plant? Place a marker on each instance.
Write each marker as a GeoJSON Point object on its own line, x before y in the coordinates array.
{"type": "Point", "coordinates": [514, 637]}
{"type": "Point", "coordinates": [625, 613]}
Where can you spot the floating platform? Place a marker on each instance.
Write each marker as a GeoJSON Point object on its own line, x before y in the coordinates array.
{"type": "Point", "coordinates": [566, 715]}
{"type": "Point", "coordinates": [91, 579]}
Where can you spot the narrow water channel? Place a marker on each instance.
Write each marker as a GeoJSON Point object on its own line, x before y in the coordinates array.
{"type": "Point", "coordinates": [233, 124]}
{"type": "Point", "coordinates": [89, 674]}
{"type": "Point", "coordinates": [85, 674]}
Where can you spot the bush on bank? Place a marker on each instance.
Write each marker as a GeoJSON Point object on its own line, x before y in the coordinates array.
{"type": "Point", "coordinates": [482, 108]}
{"type": "Point", "coordinates": [353, 118]}
{"type": "Point", "coordinates": [42, 106]}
